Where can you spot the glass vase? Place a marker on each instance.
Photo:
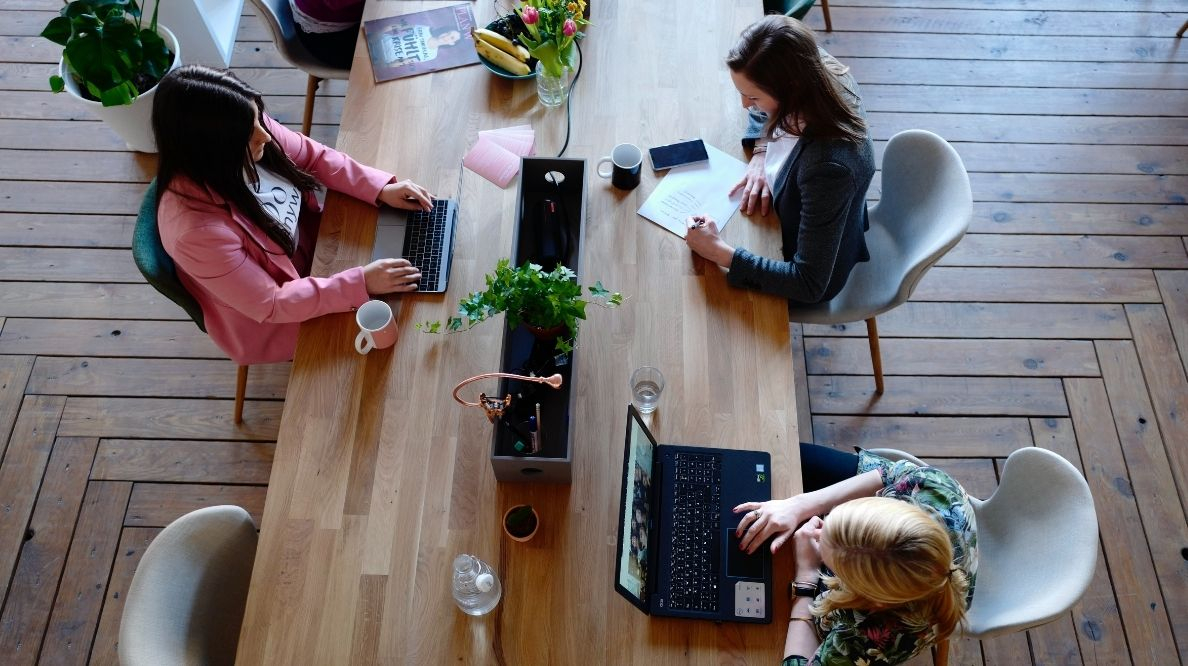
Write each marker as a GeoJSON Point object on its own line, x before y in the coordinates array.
{"type": "Point", "coordinates": [551, 90]}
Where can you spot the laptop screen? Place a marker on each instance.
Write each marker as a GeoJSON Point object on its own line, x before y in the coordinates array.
{"type": "Point", "coordinates": [635, 512]}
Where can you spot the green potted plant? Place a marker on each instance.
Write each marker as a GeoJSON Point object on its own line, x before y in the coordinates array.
{"type": "Point", "coordinates": [112, 62]}
{"type": "Point", "coordinates": [521, 522]}
{"type": "Point", "coordinates": [552, 28]}
{"type": "Point", "coordinates": [548, 303]}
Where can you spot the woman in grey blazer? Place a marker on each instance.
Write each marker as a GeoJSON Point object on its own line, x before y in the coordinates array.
{"type": "Point", "coordinates": [797, 92]}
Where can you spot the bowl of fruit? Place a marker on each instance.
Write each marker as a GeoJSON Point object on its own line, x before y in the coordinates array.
{"type": "Point", "coordinates": [500, 50]}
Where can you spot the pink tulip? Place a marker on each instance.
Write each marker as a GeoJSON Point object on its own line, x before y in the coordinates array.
{"type": "Point", "coordinates": [530, 15]}
{"type": "Point", "coordinates": [569, 28]}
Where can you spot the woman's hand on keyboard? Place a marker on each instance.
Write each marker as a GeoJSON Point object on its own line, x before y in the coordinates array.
{"type": "Point", "coordinates": [407, 195]}
{"type": "Point", "coordinates": [384, 276]}
{"type": "Point", "coordinates": [778, 518]}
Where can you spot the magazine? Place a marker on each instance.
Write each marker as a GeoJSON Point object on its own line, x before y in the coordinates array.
{"type": "Point", "coordinates": [420, 42]}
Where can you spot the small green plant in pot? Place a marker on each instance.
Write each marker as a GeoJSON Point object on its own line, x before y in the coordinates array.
{"type": "Point", "coordinates": [107, 50]}
{"type": "Point", "coordinates": [520, 522]}
{"type": "Point", "coordinates": [547, 301]}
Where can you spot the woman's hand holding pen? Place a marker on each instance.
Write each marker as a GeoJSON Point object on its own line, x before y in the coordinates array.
{"type": "Point", "coordinates": [407, 195]}
{"type": "Point", "coordinates": [702, 237]}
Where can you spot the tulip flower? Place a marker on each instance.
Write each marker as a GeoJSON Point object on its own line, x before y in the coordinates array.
{"type": "Point", "coordinates": [569, 28]}
{"type": "Point", "coordinates": [530, 15]}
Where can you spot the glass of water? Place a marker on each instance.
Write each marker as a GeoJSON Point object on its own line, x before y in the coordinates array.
{"type": "Point", "coordinates": [646, 384]}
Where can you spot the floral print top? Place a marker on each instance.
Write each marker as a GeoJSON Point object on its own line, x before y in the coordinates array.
{"type": "Point", "coordinates": [852, 636]}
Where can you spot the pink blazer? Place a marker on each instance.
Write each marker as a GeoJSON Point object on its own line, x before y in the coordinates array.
{"type": "Point", "coordinates": [253, 296]}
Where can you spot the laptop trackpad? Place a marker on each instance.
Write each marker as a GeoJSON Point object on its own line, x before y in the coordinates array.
{"type": "Point", "coordinates": [389, 234]}
{"type": "Point", "coordinates": [738, 563]}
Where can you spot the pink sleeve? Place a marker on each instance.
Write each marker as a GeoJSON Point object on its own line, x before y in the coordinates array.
{"type": "Point", "coordinates": [337, 171]}
{"type": "Point", "coordinates": [214, 256]}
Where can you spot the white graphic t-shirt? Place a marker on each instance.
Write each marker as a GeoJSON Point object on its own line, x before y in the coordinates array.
{"type": "Point", "coordinates": [280, 199]}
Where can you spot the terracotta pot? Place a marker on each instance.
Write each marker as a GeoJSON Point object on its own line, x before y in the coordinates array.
{"type": "Point", "coordinates": [535, 526]}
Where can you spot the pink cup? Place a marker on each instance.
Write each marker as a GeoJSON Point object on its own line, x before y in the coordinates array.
{"type": "Point", "coordinates": [377, 327]}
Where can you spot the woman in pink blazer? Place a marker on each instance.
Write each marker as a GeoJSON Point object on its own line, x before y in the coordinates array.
{"type": "Point", "coordinates": [237, 213]}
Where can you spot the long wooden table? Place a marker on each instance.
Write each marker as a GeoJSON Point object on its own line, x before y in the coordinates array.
{"type": "Point", "coordinates": [380, 479]}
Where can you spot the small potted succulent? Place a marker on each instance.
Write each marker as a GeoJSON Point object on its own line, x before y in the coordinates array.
{"type": "Point", "coordinates": [548, 303]}
{"type": "Point", "coordinates": [521, 522]}
{"type": "Point", "coordinates": [112, 62]}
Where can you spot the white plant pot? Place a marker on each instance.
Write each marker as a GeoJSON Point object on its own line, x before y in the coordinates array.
{"type": "Point", "coordinates": [132, 122]}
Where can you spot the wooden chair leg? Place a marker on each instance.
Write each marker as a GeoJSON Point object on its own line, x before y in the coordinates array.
{"type": "Point", "coordinates": [311, 90]}
{"type": "Point", "coordinates": [940, 653]}
{"type": "Point", "coordinates": [240, 390]}
{"type": "Point", "coordinates": [828, 22]}
{"type": "Point", "coordinates": [876, 358]}
{"type": "Point", "coordinates": [1182, 29]}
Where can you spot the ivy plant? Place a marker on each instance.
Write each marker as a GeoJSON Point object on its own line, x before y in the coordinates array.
{"type": "Point", "coordinates": [530, 295]}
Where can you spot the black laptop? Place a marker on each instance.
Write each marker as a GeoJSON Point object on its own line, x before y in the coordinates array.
{"type": "Point", "coordinates": [678, 555]}
{"type": "Point", "coordinates": [425, 238]}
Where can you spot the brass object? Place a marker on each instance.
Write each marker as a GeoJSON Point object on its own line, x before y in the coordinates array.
{"type": "Point", "coordinates": [493, 406]}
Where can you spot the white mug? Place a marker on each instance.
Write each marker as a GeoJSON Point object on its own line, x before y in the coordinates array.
{"type": "Point", "coordinates": [377, 327]}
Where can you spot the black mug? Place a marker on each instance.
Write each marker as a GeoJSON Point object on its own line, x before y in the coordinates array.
{"type": "Point", "coordinates": [625, 161]}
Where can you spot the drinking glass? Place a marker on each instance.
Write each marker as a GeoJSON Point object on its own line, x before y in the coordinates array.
{"type": "Point", "coordinates": [646, 385]}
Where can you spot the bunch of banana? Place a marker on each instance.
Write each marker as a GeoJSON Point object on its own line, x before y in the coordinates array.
{"type": "Point", "coordinates": [501, 51]}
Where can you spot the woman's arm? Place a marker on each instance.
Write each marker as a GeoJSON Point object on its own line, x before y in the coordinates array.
{"type": "Point", "coordinates": [826, 194]}
{"type": "Point", "coordinates": [337, 171]}
{"type": "Point", "coordinates": [780, 518]}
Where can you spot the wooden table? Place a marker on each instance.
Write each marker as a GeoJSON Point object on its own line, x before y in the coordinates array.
{"type": "Point", "coordinates": [380, 479]}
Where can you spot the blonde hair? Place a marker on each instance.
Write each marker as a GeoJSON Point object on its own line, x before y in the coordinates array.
{"type": "Point", "coordinates": [893, 556]}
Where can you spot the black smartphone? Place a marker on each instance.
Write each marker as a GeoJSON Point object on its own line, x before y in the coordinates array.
{"type": "Point", "coordinates": [677, 154]}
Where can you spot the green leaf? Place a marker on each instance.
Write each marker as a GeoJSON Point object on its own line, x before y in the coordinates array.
{"type": "Point", "coordinates": [119, 95]}
{"type": "Point", "coordinates": [57, 83]}
{"type": "Point", "coordinates": [57, 30]}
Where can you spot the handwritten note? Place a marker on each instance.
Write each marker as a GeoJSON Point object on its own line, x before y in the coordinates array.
{"type": "Point", "coordinates": [696, 189]}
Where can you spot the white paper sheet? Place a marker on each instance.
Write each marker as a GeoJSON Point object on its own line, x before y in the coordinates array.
{"type": "Point", "coordinates": [696, 189]}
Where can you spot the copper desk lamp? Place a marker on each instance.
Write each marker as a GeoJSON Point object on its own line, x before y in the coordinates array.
{"type": "Point", "coordinates": [494, 407]}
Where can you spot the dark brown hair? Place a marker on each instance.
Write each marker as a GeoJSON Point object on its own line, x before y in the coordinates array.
{"type": "Point", "coordinates": [203, 121]}
{"type": "Point", "coordinates": [779, 55]}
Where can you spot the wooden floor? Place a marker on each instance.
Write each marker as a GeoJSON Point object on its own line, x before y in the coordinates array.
{"type": "Point", "coordinates": [1060, 321]}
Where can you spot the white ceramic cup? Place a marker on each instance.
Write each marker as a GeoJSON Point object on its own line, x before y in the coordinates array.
{"type": "Point", "coordinates": [377, 327]}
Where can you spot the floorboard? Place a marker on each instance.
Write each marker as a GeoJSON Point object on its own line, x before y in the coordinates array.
{"type": "Point", "coordinates": [1060, 320]}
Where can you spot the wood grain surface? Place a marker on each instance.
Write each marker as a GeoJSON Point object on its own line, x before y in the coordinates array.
{"type": "Point", "coordinates": [380, 479]}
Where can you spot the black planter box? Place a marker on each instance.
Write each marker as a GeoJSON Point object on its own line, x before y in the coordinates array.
{"type": "Point", "coordinates": [547, 234]}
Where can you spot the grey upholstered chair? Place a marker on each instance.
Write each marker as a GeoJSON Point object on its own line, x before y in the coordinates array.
{"type": "Point", "coordinates": [279, 17]}
{"type": "Point", "coordinates": [924, 210]}
{"type": "Point", "coordinates": [186, 602]}
{"type": "Point", "coordinates": [1037, 545]}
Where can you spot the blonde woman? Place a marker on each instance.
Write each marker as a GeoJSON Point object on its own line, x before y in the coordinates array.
{"type": "Point", "coordinates": [887, 572]}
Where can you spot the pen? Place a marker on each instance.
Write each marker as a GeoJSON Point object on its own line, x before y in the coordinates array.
{"type": "Point", "coordinates": [534, 435]}
{"type": "Point", "coordinates": [698, 221]}
{"type": "Point", "coordinates": [539, 428]}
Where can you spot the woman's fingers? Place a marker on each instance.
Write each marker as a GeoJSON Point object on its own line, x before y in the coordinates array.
{"type": "Point", "coordinates": [780, 541]}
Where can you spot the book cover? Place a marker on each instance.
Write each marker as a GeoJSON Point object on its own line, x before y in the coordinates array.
{"type": "Point", "coordinates": [421, 42]}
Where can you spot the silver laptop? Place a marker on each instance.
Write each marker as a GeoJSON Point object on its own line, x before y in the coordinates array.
{"type": "Point", "coordinates": [426, 239]}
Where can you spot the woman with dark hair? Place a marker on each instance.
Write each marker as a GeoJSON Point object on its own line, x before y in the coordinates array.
{"type": "Point", "coordinates": [237, 213]}
{"type": "Point", "coordinates": [812, 156]}
{"type": "Point", "coordinates": [885, 557]}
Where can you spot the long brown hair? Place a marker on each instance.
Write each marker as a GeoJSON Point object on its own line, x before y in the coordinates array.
{"type": "Point", "coordinates": [203, 121]}
{"type": "Point", "coordinates": [893, 556]}
{"type": "Point", "coordinates": [779, 55]}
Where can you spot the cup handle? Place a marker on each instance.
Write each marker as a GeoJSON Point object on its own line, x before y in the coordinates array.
{"type": "Point", "coordinates": [364, 342]}
{"type": "Point", "coordinates": [605, 160]}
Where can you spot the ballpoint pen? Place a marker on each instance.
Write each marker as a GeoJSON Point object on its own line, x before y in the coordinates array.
{"type": "Point", "coordinates": [539, 430]}
{"type": "Point", "coordinates": [534, 435]}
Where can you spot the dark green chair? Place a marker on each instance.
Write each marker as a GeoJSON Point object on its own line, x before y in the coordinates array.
{"type": "Point", "coordinates": [797, 9]}
{"type": "Point", "coordinates": [159, 271]}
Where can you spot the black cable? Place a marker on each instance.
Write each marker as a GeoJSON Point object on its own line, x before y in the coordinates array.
{"type": "Point", "coordinates": [569, 98]}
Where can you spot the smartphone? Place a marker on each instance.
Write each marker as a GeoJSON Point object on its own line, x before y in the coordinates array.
{"type": "Point", "coordinates": [677, 154]}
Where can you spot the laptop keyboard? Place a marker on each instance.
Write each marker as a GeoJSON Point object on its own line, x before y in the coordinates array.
{"type": "Point", "coordinates": [423, 241]}
{"type": "Point", "coordinates": [696, 533]}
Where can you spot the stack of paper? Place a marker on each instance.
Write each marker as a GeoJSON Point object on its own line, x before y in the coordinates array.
{"type": "Point", "coordinates": [696, 189]}
{"type": "Point", "coordinates": [496, 155]}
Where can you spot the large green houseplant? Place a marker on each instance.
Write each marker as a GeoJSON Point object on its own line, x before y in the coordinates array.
{"type": "Point", "coordinates": [107, 50]}
{"type": "Point", "coordinates": [112, 60]}
{"type": "Point", "coordinates": [547, 301]}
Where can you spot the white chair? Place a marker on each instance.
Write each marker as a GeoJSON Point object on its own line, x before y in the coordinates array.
{"type": "Point", "coordinates": [278, 15]}
{"type": "Point", "coordinates": [924, 210]}
{"type": "Point", "coordinates": [1037, 545]}
{"type": "Point", "coordinates": [186, 601]}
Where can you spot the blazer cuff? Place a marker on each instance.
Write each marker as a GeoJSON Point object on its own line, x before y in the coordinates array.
{"type": "Point", "coordinates": [355, 287]}
{"type": "Point", "coordinates": [743, 271]}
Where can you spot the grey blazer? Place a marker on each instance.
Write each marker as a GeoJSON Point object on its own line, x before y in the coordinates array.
{"type": "Point", "coordinates": [820, 198]}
